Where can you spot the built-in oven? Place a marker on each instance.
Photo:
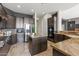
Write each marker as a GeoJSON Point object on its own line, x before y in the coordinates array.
{"type": "Point", "coordinates": [50, 32]}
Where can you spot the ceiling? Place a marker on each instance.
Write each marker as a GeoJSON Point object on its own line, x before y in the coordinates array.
{"type": "Point", "coordinates": [39, 8]}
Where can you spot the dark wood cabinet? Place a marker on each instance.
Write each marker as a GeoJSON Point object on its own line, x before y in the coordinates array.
{"type": "Point", "coordinates": [57, 53]}
{"type": "Point", "coordinates": [37, 45]}
{"type": "Point", "coordinates": [5, 49]}
{"type": "Point", "coordinates": [3, 17]}
{"type": "Point", "coordinates": [11, 22]}
{"type": "Point", "coordinates": [2, 23]}
{"type": "Point", "coordinates": [50, 28]}
{"type": "Point", "coordinates": [6, 21]}
{"type": "Point", "coordinates": [43, 43]}
{"type": "Point", "coordinates": [12, 39]}
{"type": "Point", "coordinates": [50, 22]}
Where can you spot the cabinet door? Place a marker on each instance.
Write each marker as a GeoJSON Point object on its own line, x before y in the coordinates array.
{"type": "Point", "coordinates": [14, 39]}
{"type": "Point", "coordinates": [50, 22]}
{"type": "Point", "coordinates": [2, 23]}
{"type": "Point", "coordinates": [11, 22]}
{"type": "Point", "coordinates": [43, 43]}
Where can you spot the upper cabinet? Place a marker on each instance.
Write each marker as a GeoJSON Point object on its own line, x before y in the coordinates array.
{"type": "Point", "coordinates": [51, 22]}
{"type": "Point", "coordinates": [3, 18]}
{"type": "Point", "coordinates": [11, 22]}
{"type": "Point", "coordinates": [2, 23]}
{"type": "Point", "coordinates": [6, 21]}
{"type": "Point", "coordinates": [8, 18]}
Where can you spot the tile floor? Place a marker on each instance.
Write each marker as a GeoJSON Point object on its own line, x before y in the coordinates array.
{"type": "Point", "coordinates": [21, 49]}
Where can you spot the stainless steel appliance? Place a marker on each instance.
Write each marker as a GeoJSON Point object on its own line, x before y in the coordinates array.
{"type": "Point", "coordinates": [20, 35]}
{"type": "Point", "coordinates": [50, 32]}
{"type": "Point", "coordinates": [28, 31]}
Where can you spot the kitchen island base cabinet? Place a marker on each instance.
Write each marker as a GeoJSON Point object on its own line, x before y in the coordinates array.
{"type": "Point", "coordinates": [37, 45]}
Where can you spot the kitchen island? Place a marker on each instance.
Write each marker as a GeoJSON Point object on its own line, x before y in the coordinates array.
{"type": "Point", "coordinates": [69, 47]}
{"type": "Point", "coordinates": [37, 44]}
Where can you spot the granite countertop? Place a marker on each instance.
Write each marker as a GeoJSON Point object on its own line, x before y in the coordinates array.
{"type": "Point", "coordinates": [37, 36]}
{"type": "Point", "coordinates": [68, 47]}
{"type": "Point", "coordinates": [70, 34]}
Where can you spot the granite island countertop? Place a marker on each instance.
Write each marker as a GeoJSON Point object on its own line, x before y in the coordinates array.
{"type": "Point", "coordinates": [37, 36]}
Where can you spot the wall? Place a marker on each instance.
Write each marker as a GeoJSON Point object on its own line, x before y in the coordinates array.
{"type": "Point", "coordinates": [59, 21]}
{"type": "Point", "coordinates": [72, 12]}
{"type": "Point", "coordinates": [43, 25]}
{"type": "Point", "coordinates": [11, 22]}
{"type": "Point", "coordinates": [39, 28]}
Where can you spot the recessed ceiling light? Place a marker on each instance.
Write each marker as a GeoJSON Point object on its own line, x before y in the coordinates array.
{"type": "Point", "coordinates": [19, 6]}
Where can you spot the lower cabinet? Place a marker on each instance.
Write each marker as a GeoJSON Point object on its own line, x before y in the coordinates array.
{"type": "Point", "coordinates": [37, 45]}
{"type": "Point", "coordinates": [57, 53]}
{"type": "Point", "coordinates": [43, 43]}
{"type": "Point", "coordinates": [12, 39]}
